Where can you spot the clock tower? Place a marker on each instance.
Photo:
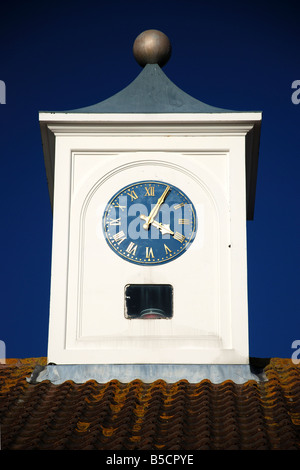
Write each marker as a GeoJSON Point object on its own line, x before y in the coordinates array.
{"type": "Point", "coordinates": [151, 190]}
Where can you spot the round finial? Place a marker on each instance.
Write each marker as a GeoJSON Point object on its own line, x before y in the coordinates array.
{"type": "Point", "coordinates": [152, 47]}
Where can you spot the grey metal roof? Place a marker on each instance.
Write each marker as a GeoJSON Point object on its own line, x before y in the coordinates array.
{"type": "Point", "coordinates": [171, 373]}
{"type": "Point", "coordinates": [151, 92]}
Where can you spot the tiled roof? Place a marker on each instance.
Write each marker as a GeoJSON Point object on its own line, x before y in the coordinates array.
{"type": "Point", "coordinates": [156, 416]}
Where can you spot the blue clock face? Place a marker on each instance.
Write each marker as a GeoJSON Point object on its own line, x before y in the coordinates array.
{"type": "Point", "coordinates": [149, 223]}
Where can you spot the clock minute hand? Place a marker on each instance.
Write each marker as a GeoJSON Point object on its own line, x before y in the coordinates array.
{"type": "Point", "coordinates": [155, 209]}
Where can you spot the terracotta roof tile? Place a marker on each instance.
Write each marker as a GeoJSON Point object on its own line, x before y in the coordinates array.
{"type": "Point", "coordinates": [156, 416]}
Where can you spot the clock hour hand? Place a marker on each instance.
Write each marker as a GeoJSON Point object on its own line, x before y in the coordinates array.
{"type": "Point", "coordinates": [164, 228]}
{"type": "Point", "coordinates": [153, 213]}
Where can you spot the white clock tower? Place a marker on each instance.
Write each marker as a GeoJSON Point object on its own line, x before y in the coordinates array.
{"type": "Point", "coordinates": [151, 190]}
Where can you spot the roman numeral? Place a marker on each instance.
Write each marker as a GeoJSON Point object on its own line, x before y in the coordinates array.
{"type": "Point", "coordinates": [167, 249]}
{"type": "Point", "coordinates": [115, 221]}
{"type": "Point", "coordinates": [179, 205]}
{"type": "Point", "coordinates": [150, 191]}
{"type": "Point", "coordinates": [183, 221]}
{"type": "Point", "coordinates": [119, 237]}
{"type": "Point", "coordinates": [178, 236]}
{"type": "Point", "coordinates": [120, 207]}
{"type": "Point", "coordinates": [149, 252]}
{"type": "Point", "coordinates": [131, 249]}
{"type": "Point", "coordinates": [133, 195]}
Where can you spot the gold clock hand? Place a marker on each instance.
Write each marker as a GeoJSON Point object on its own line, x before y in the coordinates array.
{"type": "Point", "coordinates": [163, 228]}
{"type": "Point", "coordinates": [155, 209]}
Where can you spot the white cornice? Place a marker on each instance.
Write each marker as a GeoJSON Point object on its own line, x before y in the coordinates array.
{"type": "Point", "coordinates": [150, 129]}
{"type": "Point", "coordinates": [137, 124]}
{"type": "Point", "coordinates": [148, 117]}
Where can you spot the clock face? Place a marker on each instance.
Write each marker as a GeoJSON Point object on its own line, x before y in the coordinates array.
{"type": "Point", "coordinates": [149, 223]}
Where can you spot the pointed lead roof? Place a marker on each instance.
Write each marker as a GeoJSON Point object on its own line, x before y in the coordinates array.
{"type": "Point", "coordinates": [151, 92]}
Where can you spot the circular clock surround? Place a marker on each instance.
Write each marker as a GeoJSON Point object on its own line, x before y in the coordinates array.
{"type": "Point", "coordinates": [149, 222]}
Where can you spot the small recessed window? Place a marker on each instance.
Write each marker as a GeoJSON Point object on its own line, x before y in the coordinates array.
{"type": "Point", "coordinates": [148, 301]}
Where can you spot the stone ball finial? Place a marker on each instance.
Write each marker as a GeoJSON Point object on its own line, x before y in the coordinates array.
{"type": "Point", "coordinates": [152, 47]}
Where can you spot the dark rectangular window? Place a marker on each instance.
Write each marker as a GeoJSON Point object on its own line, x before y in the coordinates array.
{"type": "Point", "coordinates": [148, 301]}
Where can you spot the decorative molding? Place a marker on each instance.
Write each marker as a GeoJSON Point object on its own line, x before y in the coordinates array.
{"type": "Point", "coordinates": [153, 129]}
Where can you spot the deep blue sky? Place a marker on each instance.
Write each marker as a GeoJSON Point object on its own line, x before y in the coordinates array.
{"type": "Point", "coordinates": [64, 55]}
